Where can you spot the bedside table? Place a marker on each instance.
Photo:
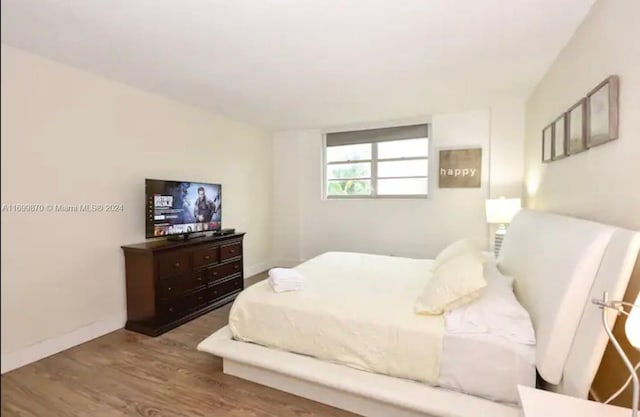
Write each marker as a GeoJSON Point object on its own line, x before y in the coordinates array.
{"type": "Point", "coordinates": [540, 403]}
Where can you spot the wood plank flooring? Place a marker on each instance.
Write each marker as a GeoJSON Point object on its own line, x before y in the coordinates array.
{"type": "Point", "coordinates": [128, 374]}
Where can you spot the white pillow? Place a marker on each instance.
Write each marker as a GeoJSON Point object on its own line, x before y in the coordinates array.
{"type": "Point", "coordinates": [496, 311]}
{"type": "Point", "coordinates": [457, 248]}
{"type": "Point", "coordinates": [452, 284]}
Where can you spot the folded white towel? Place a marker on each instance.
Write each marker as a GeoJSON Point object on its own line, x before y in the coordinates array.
{"type": "Point", "coordinates": [285, 274]}
{"type": "Point", "coordinates": [285, 279]}
{"type": "Point", "coordinates": [283, 286]}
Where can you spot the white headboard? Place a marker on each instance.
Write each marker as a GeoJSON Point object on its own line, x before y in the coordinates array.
{"type": "Point", "coordinates": [559, 264]}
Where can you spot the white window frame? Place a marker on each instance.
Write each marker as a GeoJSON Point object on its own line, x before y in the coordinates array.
{"type": "Point", "coordinates": [374, 172]}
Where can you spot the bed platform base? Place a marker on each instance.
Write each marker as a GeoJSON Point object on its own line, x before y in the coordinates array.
{"type": "Point", "coordinates": [360, 392]}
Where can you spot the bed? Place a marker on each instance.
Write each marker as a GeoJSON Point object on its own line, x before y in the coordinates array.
{"type": "Point", "coordinates": [393, 369]}
{"type": "Point", "coordinates": [358, 310]}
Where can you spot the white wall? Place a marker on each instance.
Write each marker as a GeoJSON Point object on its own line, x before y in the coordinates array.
{"type": "Point", "coordinates": [305, 225]}
{"type": "Point", "coordinates": [507, 149]}
{"type": "Point", "coordinates": [72, 137]}
{"type": "Point", "coordinates": [603, 183]}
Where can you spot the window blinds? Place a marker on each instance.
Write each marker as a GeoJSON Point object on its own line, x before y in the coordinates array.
{"type": "Point", "coordinates": [378, 135]}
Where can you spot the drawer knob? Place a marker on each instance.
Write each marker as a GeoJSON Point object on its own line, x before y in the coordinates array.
{"type": "Point", "coordinates": [177, 265]}
{"type": "Point", "coordinates": [200, 298]}
{"type": "Point", "coordinates": [207, 257]}
{"type": "Point", "coordinates": [199, 278]}
{"type": "Point", "coordinates": [169, 288]}
{"type": "Point", "coordinates": [170, 309]}
{"type": "Point", "coordinates": [215, 292]}
{"type": "Point", "coordinates": [215, 274]}
{"type": "Point", "coordinates": [236, 267]}
{"type": "Point", "coordinates": [232, 251]}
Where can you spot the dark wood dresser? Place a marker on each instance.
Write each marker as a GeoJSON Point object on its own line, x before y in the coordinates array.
{"type": "Point", "coordinates": [170, 283]}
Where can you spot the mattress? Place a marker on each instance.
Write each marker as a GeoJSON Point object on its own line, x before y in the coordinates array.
{"type": "Point", "coordinates": [357, 310]}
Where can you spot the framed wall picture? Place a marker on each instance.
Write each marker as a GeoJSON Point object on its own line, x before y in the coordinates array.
{"type": "Point", "coordinates": [602, 112]}
{"type": "Point", "coordinates": [547, 143]}
{"type": "Point", "coordinates": [460, 168]}
{"type": "Point", "coordinates": [577, 127]}
{"type": "Point", "coordinates": [560, 137]}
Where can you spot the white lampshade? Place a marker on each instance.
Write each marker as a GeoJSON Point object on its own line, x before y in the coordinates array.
{"type": "Point", "coordinates": [502, 210]}
{"type": "Point", "coordinates": [632, 328]}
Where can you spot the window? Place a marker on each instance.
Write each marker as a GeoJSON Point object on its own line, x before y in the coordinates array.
{"type": "Point", "coordinates": [378, 163]}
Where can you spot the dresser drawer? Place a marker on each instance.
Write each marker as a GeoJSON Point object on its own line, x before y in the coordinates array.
{"type": "Point", "coordinates": [199, 279]}
{"type": "Point", "coordinates": [173, 264]}
{"type": "Point", "coordinates": [223, 271]}
{"type": "Point", "coordinates": [196, 300]}
{"type": "Point", "coordinates": [205, 256]}
{"type": "Point", "coordinates": [174, 307]}
{"type": "Point", "coordinates": [230, 251]}
{"type": "Point", "coordinates": [177, 285]}
{"type": "Point", "coordinates": [225, 288]}
{"type": "Point", "coordinates": [170, 309]}
{"type": "Point", "coordinates": [172, 287]}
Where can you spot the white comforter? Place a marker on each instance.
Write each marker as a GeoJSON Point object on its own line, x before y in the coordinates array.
{"type": "Point", "coordinates": [362, 310]}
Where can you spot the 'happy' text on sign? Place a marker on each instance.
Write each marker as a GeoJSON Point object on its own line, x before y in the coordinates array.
{"type": "Point", "coordinates": [460, 168]}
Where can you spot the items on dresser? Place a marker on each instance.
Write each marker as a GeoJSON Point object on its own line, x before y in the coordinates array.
{"type": "Point", "coordinates": [169, 283]}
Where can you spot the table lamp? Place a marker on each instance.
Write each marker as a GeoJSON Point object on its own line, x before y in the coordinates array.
{"type": "Point", "coordinates": [501, 211]}
{"type": "Point", "coordinates": [632, 330]}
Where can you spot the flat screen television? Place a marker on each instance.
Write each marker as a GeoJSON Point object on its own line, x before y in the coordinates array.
{"type": "Point", "coordinates": [182, 207]}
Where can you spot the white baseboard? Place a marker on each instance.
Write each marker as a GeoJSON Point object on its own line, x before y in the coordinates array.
{"type": "Point", "coordinates": [48, 347]}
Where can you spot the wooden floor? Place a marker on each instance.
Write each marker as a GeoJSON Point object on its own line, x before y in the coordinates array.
{"type": "Point", "coordinates": [128, 374]}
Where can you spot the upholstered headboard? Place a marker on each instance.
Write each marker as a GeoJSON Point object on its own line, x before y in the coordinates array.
{"type": "Point", "coordinates": [559, 264]}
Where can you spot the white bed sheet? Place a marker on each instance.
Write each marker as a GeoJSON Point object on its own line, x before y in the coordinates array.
{"type": "Point", "coordinates": [316, 322]}
{"type": "Point", "coordinates": [486, 365]}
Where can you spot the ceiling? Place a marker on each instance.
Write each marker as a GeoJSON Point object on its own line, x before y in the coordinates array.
{"type": "Point", "coordinates": [306, 63]}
